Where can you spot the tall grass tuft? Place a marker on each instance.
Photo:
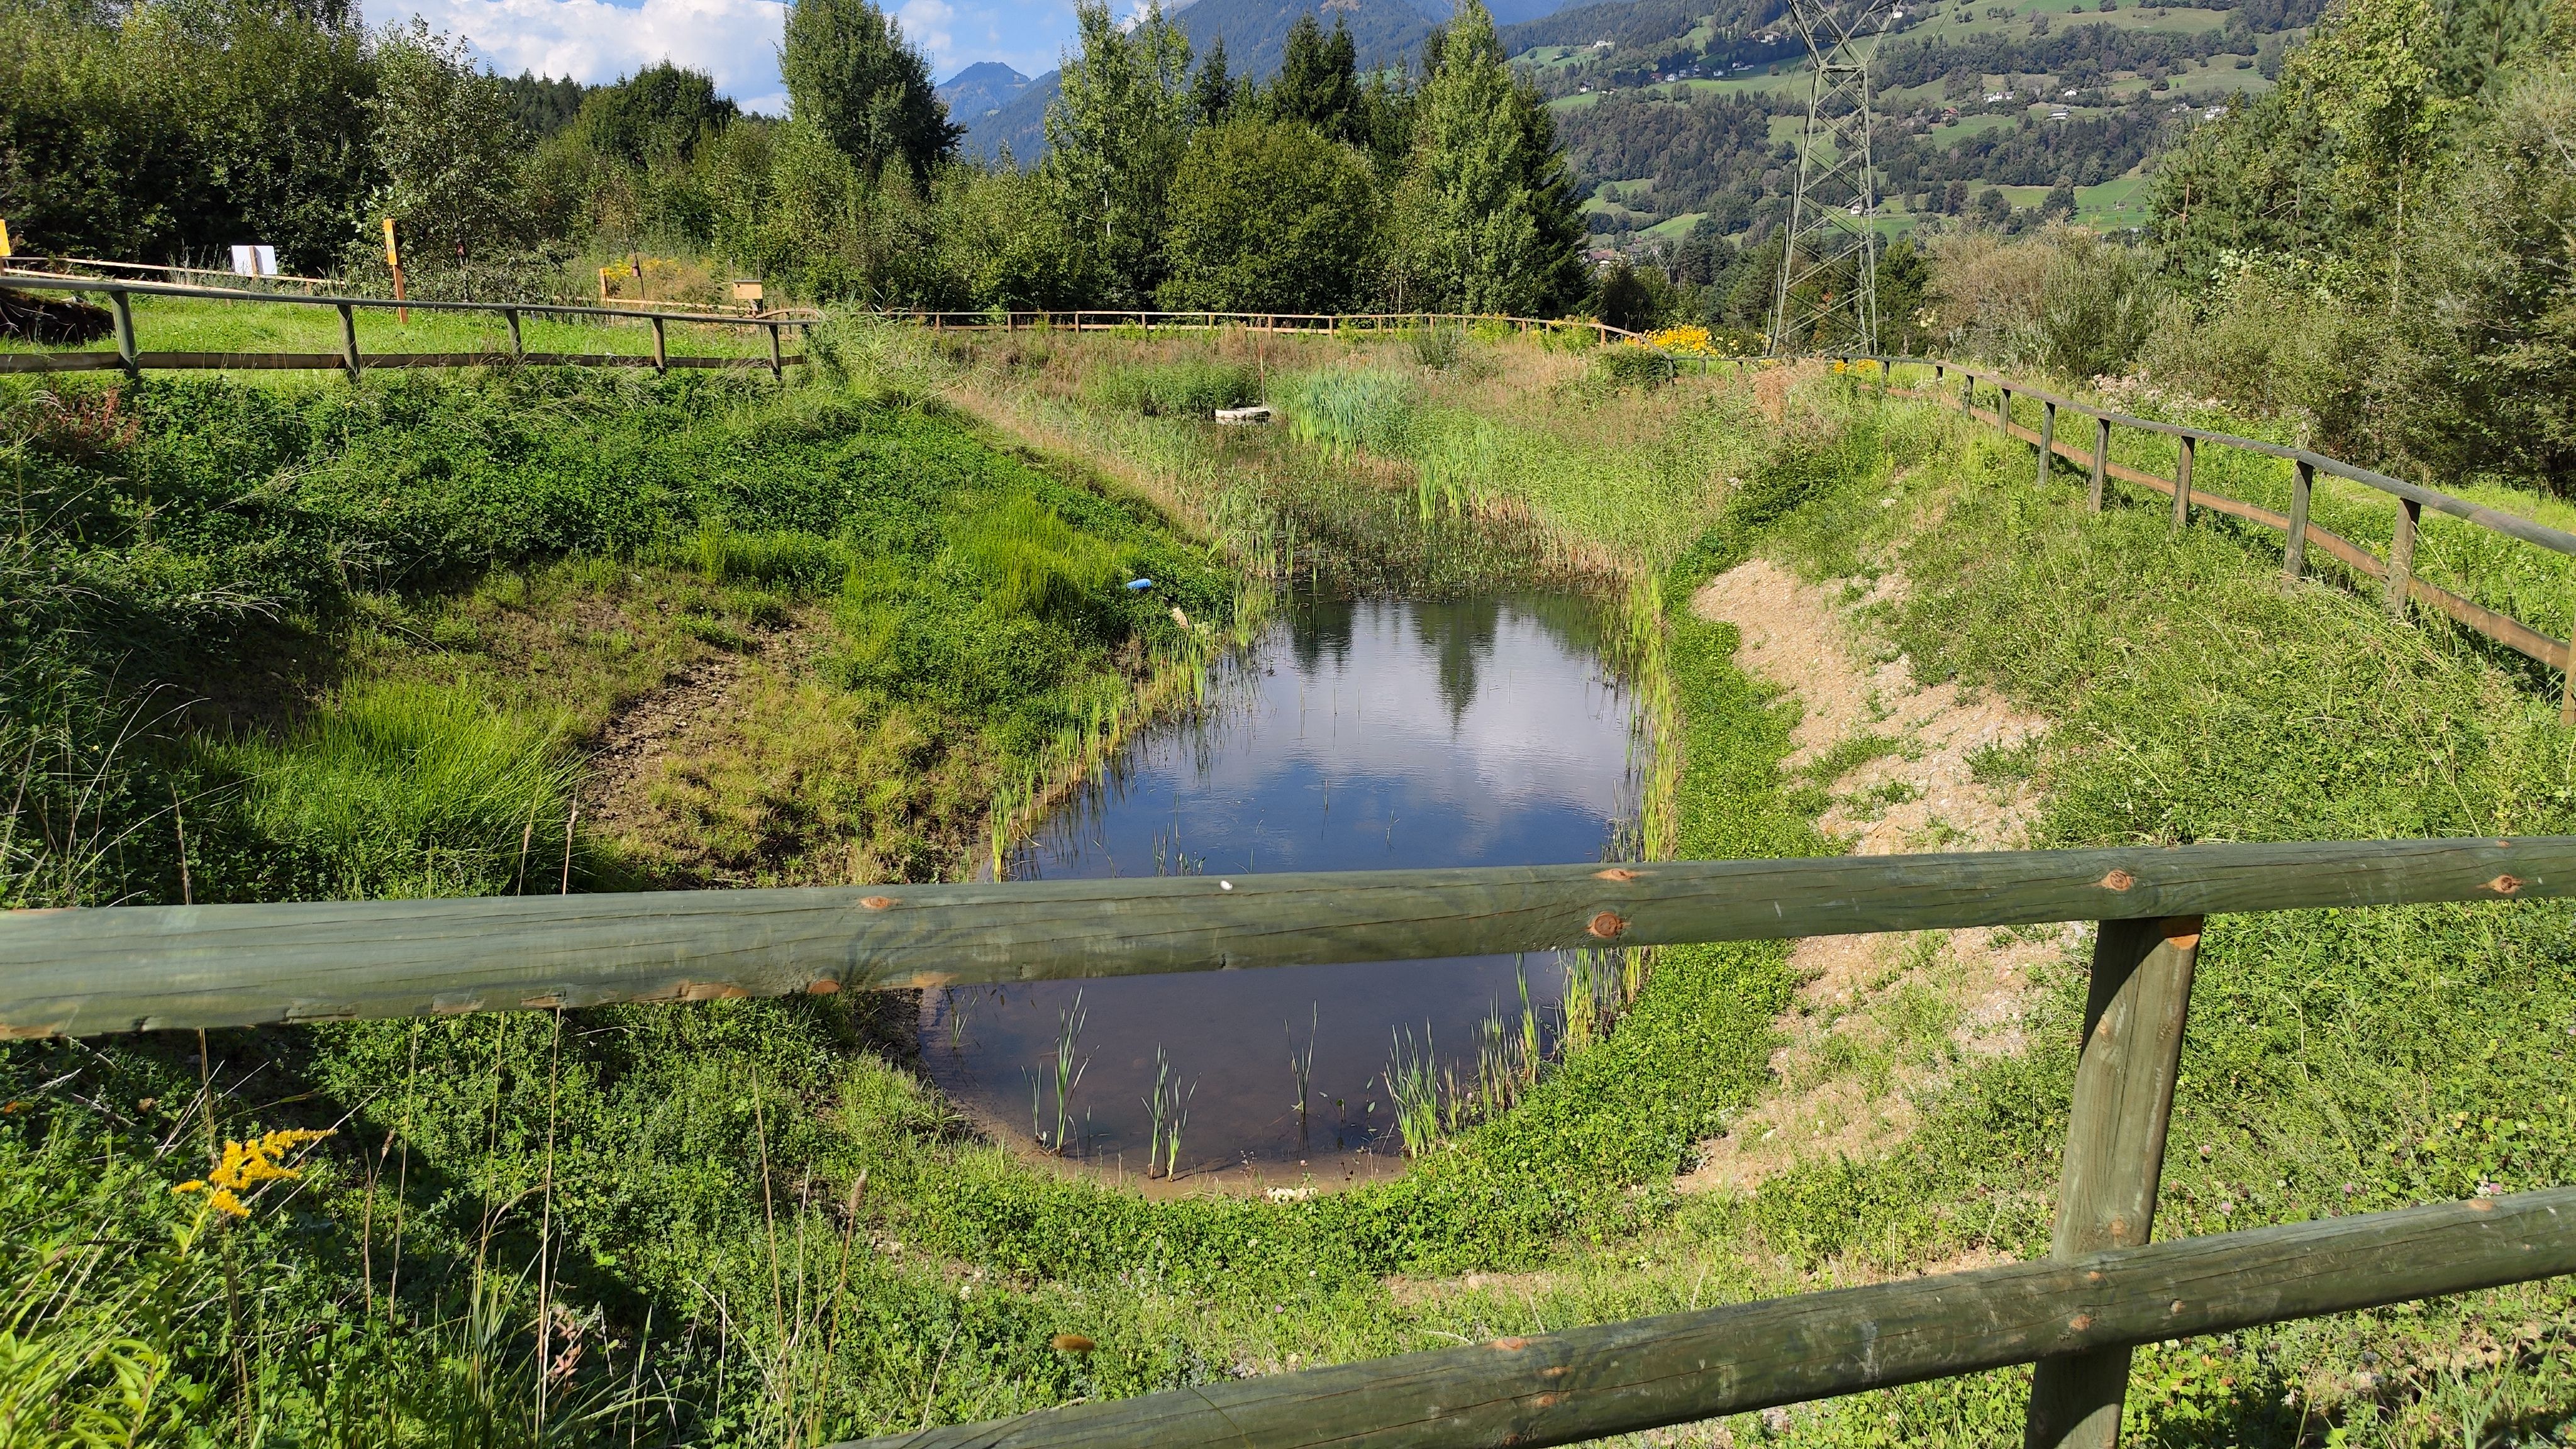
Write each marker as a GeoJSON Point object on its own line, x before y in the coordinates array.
{"type": "Point", "coordinates": [1029, 560]}
{"type": "Point", "coordinates": [1301, 1066]}
{"type": "Point", "coordinates": [1347, 411]}
{"type": "Point", "coordinates": [1064, 1072]}
{"type": "Point", "coordinates": [1189, 387]}
{"type": "Point", "coordinates": [409, 790]}
{"type": "Point", "coordinates": [805, 563]}
{"type": "Point", "coordinates": [1413, 1088]}
{"type": "Point", "coordinates": [1436, 347]}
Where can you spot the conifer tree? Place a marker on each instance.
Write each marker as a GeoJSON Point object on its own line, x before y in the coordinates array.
{"type": "Point", "coordinates": [1318, 83]}
{"type": "Point", "coordinates": [1494, 226]}
{"type": "Point", "coordinates": [1212, 94]}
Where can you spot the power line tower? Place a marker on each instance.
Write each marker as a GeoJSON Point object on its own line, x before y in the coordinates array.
{"type": "Point", "coordinates": [1828, 297]}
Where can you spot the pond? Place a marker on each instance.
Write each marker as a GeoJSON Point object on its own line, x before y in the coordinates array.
{"type": "Point", "coordinates": [1355, 736]}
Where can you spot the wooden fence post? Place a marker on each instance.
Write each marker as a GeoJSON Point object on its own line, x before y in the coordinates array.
{"type": "Point", "coordinates": [777, 365]}
{"type": "Point", "coordinates": [511, 316]}
{"type": "Point", "coordinates": [2182, 482]}
{"type": "Point", "coordinates": [349, 340]}
{"type": "Point", "coordinates": [2115, 1151]}
{"type": "Point", "coordinates": [2003, 409]}
{"type": "Point", "coordinates": [661, 349]}
{"type": "Point", "coordinates": [1968, 393]}
{"type": "Point", "coordinates": [2567, 683]}
{"type": "Point", "coordinates": [2401, 555]}
{"type": "Point", "coordinates": [2101, 462]}
{"type": "Point", "coordinates": [125, 348]}
{"type": "Point", "coordinates": [2294, 554]}
{"type": "Point", "coordinates": [2047, 439]}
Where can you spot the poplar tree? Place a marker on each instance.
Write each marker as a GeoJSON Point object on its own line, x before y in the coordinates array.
{"type": "Point", "coordinates": [1115, 137]}
{"type": "Point", "coordinates": [1494, 224]}
{"type": "Point", "coordinates": [851, 77]}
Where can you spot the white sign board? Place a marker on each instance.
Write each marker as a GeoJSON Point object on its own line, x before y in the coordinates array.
{"type": "Point", "coordinates": [255, 261]}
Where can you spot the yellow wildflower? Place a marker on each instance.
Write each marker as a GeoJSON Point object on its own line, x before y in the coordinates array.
{"type": "Point", "coordinates": [1693, 341]}
{"type": "Point", "coordinates": [245, 1165]}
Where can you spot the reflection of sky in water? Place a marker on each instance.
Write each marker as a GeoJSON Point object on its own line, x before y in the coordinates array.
{"type": "Point", "coordinates": [1357, 737]}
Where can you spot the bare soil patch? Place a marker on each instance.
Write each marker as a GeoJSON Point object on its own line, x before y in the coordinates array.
{"type": "Point", "coordinates": [1879, 1019]}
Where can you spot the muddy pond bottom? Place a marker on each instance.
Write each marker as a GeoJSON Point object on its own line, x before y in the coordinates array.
{"type": "Point", "coordinates": [1355, 736]}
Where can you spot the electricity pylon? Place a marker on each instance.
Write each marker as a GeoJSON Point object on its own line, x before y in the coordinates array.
{"type": "Point", "coordinates": [1828, 297]}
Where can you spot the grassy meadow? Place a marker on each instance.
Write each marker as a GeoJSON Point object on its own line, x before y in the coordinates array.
{"type": "Point", "coordinates": [298, 640]}
{"type": "Point", "coordinates": [193, 324]}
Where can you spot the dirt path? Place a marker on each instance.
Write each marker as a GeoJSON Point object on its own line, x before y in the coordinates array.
{"type": "Point", "coordinates": [1878, 1019]}
{"type": "Point", "coordinates": [651, 767]}
{"type": "Point", "coordinates": [643, 735]}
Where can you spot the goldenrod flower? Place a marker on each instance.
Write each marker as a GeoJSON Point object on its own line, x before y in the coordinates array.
{"type": "Point", "coordinates": [1694, 341]}
{"type": "Point", "coordinates": [247, 1164]}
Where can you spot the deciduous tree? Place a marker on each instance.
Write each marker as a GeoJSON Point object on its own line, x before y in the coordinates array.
{"type": "Point", "coordinates": [1268, 216]}
{"type": "Point", "coordinates": [851, 76]}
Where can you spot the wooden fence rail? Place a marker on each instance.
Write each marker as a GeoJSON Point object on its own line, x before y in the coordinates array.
{"type": "Point", "coordinates": [84, 972]}
{"type": "Point", "coordinates": [1586, 1383]}
{"type": "Point", "coordinates": [1102, 320]}
{"type": "Point", "coordinates": [2395, 574]}
{"type": "Point", "coordinates": [2076, 1315]}
{"type": "Point", "coordinates": [130, 358]}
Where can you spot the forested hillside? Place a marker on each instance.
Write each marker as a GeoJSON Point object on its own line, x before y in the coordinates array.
{"type": "Point", "coordinates": [1681, 115]}
{"type": "Point", "coordinates": [1372, 164]}
{"type": "Point", "coordinates": [1385, 35]}
{"type": "Point", "coordinates": [2372, 255]}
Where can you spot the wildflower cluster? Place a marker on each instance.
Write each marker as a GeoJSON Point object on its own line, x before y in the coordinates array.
{"type": "Point", "coordinates": [1689, 341]}
{"type": "Point", "coordinates": [245, 1165]}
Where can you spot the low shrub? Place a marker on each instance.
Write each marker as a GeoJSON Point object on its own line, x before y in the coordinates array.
{"type": "Point", "coordinates": [1618, 368]}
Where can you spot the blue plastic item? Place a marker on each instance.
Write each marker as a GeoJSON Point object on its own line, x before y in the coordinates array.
{"type": "Point", "coordinates": [1140, 585]}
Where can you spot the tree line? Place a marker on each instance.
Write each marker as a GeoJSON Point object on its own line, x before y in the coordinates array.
{"type": "Point", "coordinates": [163, 130]}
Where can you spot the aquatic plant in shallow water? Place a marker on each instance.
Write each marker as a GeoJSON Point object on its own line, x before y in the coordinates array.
{"type": "Point", "coordinates": [1064, 1071]}
{"type": "Point", "coordinates": [1413, 1089]}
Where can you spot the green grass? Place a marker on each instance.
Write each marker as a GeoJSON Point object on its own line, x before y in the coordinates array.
{"type": "Point", "coordinates": [760, 1224]}
{"type": "Point", "coordinates": [194, 324]}
{"type": "Point", "coordinates": [2338, 1061]}
{"type": "Point", "coordinates": [293, 641]}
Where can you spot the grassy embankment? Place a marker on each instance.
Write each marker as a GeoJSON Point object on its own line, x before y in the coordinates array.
{"type": "Point", "coordinates": [2338, 1061]}
{"type": "Point", "coordinates": [755, 1224]}
{"type": "Point", "coordinates": [292, 640]}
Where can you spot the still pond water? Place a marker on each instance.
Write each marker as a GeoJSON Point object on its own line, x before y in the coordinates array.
{"type": "Point", "coordinates": [1357, 736]}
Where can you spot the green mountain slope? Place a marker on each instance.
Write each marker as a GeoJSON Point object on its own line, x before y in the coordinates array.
{"type": "Point", "coordinates": [1683, 114]}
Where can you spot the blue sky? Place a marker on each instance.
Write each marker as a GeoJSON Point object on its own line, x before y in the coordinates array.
{"type": "Point", "coordinates": [736, 41]}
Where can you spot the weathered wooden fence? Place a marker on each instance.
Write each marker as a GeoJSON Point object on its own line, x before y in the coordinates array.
{"type": "Point", "coordinates": [2102, 1290]}
{"type": "Point", "coordinates": [2395, 573]}
{"type": "Point", "coordinates": [1001, 319]}
{"type": "Point", "coordinates": [129, 356]}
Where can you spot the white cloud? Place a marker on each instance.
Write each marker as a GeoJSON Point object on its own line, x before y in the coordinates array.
{"type": "Point", "coordinates": [593, 41]}
{"type": "Point", "coordinates": [926, 24]}
{"type": "Point", "coordinates": [736, 41]}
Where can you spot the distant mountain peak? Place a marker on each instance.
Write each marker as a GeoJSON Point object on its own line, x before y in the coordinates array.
{"type": "Point", "coordinates": [984, 72]}
{"type": "Point", "coordinates": [981, 89]}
